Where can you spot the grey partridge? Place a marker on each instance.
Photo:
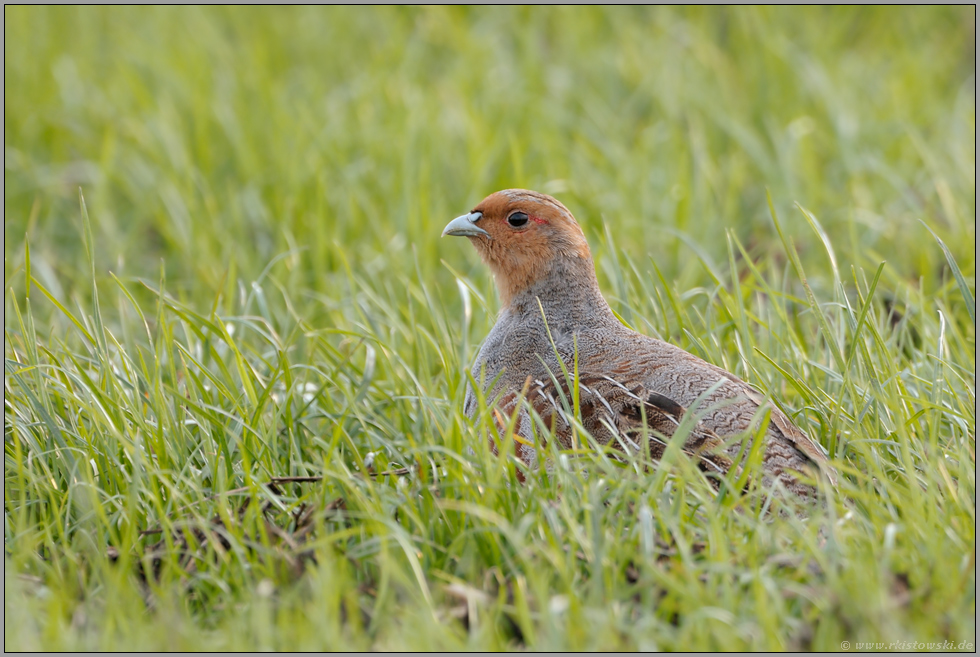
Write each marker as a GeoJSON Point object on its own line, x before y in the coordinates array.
{"type": "Point", "coordinates": [634, 390]}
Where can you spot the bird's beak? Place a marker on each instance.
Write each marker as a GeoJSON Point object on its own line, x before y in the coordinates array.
{"type": "Point", "coordinates": [465, 226]}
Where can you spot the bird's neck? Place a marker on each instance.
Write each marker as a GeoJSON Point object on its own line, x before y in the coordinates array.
{"type": "Point", "coordinates": [567, 292]}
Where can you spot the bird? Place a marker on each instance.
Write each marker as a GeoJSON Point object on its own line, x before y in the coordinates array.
{"type": "Point", "coordinates": [634, 391]}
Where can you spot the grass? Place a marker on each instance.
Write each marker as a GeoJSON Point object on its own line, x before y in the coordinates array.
{"type": "Point", "coordinates": [222, 266]}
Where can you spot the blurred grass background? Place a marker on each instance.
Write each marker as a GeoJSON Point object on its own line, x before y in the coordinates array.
{"type": "Point", "coordinates": [217, 138]}
{"type": "Point", "coordinates": [266, 188]}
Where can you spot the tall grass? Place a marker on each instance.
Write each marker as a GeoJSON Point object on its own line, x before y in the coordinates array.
{"type": "Point", "coordinates": [236, 350]}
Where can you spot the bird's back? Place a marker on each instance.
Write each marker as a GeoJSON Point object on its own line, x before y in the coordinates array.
{"type": "Point", "coordinates": [628, 381]}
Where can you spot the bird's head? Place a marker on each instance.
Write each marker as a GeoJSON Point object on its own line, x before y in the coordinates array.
{"type": "Point", "coordinates": [524, 237]}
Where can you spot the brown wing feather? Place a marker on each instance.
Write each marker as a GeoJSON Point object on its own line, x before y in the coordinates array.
{"type": "Point", "coordinates": [614, 414]}
{"type": "Point", "coordinates": [615, 405]}
{"type": "Point", "coordinates": [785, 426]}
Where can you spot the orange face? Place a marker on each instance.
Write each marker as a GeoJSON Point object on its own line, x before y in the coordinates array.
{"type": "Point", "coordinates": [519, 233]}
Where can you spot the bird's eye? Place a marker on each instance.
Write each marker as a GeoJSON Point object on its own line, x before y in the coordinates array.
{"type": "Point", "coordinates": [517, 219]}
